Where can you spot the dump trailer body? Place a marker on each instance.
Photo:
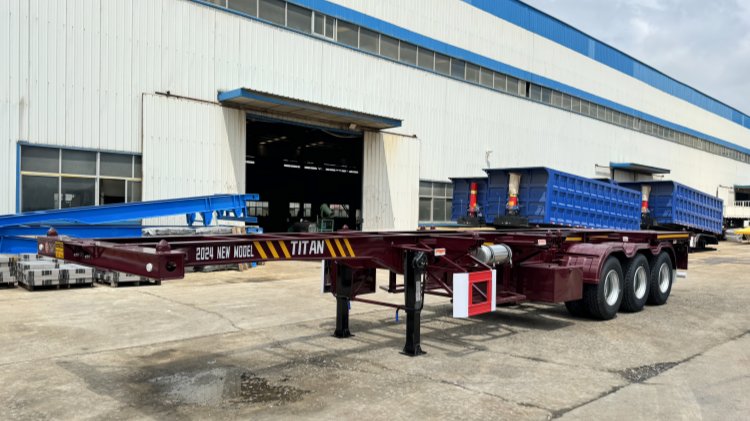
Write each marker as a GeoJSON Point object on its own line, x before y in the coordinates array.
{"type": "Point", "coordinates": [550, 197]}
{"type": "Point", "coordinates": [672, 205]}
{"type": "Point", "coordinates": [462, 197]}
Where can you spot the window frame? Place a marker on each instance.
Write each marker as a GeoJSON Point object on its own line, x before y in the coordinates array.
{"type": "Point", "coordinates": [60, 175]}
{"type": "Point", "coordinates": [447, 197]}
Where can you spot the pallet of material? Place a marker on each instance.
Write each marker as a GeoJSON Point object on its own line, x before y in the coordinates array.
{"type": "Point", "coordinates": [6, 278]}
{"type": "Point", "coordinates": [72, 270]}
{"type": "Point", "coordinates": [35, 264]}
{"type": "Point", "coordinates": [31, 257]}
{"type": "Point", "coordinates": [115, 279]}
{"type": "Point", "coordinates": [37, 273]}
{"type": "Point", "coordinates": [30, 277]}
{"type": "Point", "coordinates": [8, 265]}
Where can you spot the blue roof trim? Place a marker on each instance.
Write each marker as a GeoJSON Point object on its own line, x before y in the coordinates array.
{"type": "Point", "coordinates": [540, 23]}
{"type": "Point", "coordinates": [638, 167]}
{"type": "Point", "coordinates": [353, 16]}
{"type": "Point", "coordinates": [244, 93]}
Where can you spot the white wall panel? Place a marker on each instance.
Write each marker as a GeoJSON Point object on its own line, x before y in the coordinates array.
{"type": "Point", "coordinates": [458, 23]}
{"type": "Point", "coordinates": [191, 148]}
{"type": "Point", "coordinates": [390, 182]}
{"type": "Point", "coordinates": [7, 146]}
{"type": "Point", "coordinates": [83, 85]}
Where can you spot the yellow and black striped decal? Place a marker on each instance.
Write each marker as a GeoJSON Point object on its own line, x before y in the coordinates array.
{"type": "Point", "coordinates": [672, 236]}
{"type": "Point", "coordinates": [273, 250]}
{"type": "Point", "coordinates": [281, 250]}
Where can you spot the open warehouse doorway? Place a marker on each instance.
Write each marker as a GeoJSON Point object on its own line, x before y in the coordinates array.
{"type": "Point", "coordinates": [298, 168]}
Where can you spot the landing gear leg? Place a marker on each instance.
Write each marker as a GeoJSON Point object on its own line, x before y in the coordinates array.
{"type": "Point", "coordinates": [343, 291]}
{"type": "Point", "coordinates": [414, 266]}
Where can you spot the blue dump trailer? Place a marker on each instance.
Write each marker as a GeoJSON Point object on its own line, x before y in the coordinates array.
{"type": "Point", "coordinates": [674, 206]}
{"type": "Point", "coordinates": [463, 210]}
{"type": "Point", "coordinates": [547, 197]}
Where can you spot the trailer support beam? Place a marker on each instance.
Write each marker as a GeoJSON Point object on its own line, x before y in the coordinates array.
{"type": "Point", "coordinates": [415, 263]}
{"type": "Point", "coordinates": [343, 294]}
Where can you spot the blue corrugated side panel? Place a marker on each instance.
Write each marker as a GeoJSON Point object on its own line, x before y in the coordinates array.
{"type": "Point", "coordinates": [532, 194]}
{"type": "Point", "coordinates": [550, 197]}
{"type": "Point", "coordinates": [542, 24]}
{"type": "Point", "coordinates": [672, 203]}
{"type": "Point", "coordinates": [461, 191]}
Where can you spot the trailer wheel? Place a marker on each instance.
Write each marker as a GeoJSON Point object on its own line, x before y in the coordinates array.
{"type": "Point", "coordinates": [662, 274]}
{"type": "Point", "coordinates": [636, 285]}
{"type": "Point", "coordinates": [576, 308]}
{"type": "Point", "coordinates": [603, 299]}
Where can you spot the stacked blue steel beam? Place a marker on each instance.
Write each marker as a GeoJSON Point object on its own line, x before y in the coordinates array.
{"type": "Point", "coordinates": [116, 220]}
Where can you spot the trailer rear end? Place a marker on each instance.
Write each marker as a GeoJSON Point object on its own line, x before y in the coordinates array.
{"type": "Point", "coordinates": [669, 205]}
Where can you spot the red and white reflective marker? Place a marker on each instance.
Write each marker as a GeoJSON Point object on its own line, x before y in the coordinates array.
{"type": "Point", "coordinates": [467, 300]}
{"type": "Point", "coordinates": [440, 252]}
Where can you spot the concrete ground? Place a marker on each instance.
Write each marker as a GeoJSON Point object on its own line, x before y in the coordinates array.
{"type": "Point", "coordinates": [258, 345]}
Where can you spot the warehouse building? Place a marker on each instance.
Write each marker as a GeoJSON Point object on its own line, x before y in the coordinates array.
{"type": "Point", "coordinates": [368, 106]}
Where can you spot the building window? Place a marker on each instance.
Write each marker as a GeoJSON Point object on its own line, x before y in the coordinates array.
{"type": "Point", "coordinates": [435, 201]}
{"type": "Point", "coordinates": [294, 210]}
{"type": "Point", "coordinates": [408, 53]}
{"type": "Point", "coordinates": [426, 59]}
{"type": "Point", "coordinates": [486, 77]}
{"type": "Point", "coordinates": [442, 64]}
{"type": "Point", "coordinates": [55, 178]}
{"type": "Point", "coordinates": [458, 68]}
{"type": "Point", "coordinates": [472, 73]}
{"type": "Point", "coordinates": [273, 11]}
{"type": "Point", "coordinates": [389, 47]}
{"type": "Point", "coordinates": [346, 33]}
{"type": "Point", "coordinates": [369, 40]}
{"type": "Point", "coordinates": [256, 208]}
{"type": "Point", "coordinates": [323, 25]}
{"type": "Point", "coordinates": [249, 7]}
{"type": "Point", "coordinates": [299, 18]}
{"type": "Point", "coordinates": [339, 211]}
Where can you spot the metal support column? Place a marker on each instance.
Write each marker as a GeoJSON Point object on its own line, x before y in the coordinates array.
{"type": "Point", "coordinates": [414, 267]}
{"type": "Point", "coordinates": [343, 292]}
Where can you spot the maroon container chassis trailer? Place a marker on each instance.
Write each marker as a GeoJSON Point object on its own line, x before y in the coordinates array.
{"type": "Point", "coordinates": [594, 272]}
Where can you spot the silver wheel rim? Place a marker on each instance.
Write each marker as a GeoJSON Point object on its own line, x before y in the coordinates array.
{"type": "Point", "coordinates": [611, 287]}
{"type": "Point", "coordinates": [640, 281]}
{"type": "Point", "coordinates": [664, 277]}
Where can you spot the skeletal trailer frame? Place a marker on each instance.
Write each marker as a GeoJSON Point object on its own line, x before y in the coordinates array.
{"type": "Point", "coordinates": [547, 265]}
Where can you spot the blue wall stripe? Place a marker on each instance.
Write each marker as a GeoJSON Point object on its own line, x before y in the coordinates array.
{"type": "Point", "coordinates": [540, 23]}
{"type": "Point", "coordinates": [361, 19]}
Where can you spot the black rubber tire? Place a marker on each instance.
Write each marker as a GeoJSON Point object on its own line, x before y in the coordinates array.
{"type": "Point", "coordinates": [594, 295]}
{"type": "Point", "coordinates": [656, 295]}
{"type": "Point", "coordinates": [630, 301]}
{"type": "Point", "coordinates": [577, 308]}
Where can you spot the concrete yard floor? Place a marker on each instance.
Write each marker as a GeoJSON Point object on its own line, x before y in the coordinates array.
{"type": "Point", "coordinates": [258, 345]}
